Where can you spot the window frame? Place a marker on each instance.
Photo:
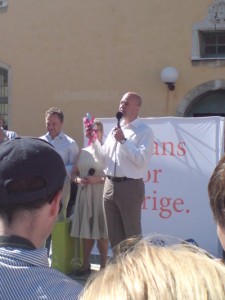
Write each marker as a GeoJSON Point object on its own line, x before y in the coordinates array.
{"type": "Point", "coordinates": [203, 44]}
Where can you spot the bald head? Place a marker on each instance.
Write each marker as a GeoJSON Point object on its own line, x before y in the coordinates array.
{"type": "Point", "coordinates": [130, 105]}
{"type": "Point", "coordinates": [135, 96]}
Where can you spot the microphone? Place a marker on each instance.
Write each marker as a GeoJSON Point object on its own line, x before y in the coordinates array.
{"type": "Point", "coordinates": [119, 116]}
{"type": "Point", "coordinates": [91, 172]}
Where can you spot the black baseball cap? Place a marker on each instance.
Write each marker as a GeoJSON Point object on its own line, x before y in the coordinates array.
{"type": "Point", "coordinates": [26, 158]}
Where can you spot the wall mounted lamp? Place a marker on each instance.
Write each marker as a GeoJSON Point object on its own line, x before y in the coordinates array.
{"type": "Point", "coordinates": [169, 76]}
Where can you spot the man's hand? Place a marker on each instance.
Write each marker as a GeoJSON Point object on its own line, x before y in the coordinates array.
{"type": "Point", "coordinates": [118, 134]}
{"type": "Point", "coordinates": [90, 133]}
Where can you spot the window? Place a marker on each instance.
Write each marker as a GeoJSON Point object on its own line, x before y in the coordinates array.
{"type": "Point", "coordinates": [212, 44]}
{"type": "Point", "coordinates": [4, 95]}
{"type": "Point", "coordinates": [208, 36]}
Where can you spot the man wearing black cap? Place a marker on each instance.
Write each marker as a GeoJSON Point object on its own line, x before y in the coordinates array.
{"type": "Point", "coordinates": [32, 174]}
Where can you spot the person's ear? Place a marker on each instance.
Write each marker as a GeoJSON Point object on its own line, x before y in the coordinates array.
{"type": "Point", "coordinates": [56, 204]}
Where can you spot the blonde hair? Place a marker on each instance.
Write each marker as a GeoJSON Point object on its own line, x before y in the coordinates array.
{"type": "Point", "coordinates": [143, 271]}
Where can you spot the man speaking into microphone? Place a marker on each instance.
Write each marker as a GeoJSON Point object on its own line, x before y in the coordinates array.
{"type": "Point", "coordinates": [126, 154]}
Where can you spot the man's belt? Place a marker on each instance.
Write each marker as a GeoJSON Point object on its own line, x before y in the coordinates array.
{"type": "Point", "coordinates": [119, 179]}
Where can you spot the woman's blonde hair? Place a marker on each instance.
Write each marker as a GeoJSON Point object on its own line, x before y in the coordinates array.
{"type": "Point", "coordinates": [143, 271]}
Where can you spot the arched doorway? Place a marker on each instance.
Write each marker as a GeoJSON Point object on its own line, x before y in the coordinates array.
{"type": "Point", "coordinates": [210, 103]}
{"type": "Point", "coordinates": [205, 99]}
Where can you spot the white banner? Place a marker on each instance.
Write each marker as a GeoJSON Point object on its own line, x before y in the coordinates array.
{"type": "Point", "coordinates": [186, 151]}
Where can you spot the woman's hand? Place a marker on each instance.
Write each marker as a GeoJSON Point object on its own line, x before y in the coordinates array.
{"type": "Point", "coordinates": [89, 180]}
{"type": "Point", "coordinates": [82, 181]}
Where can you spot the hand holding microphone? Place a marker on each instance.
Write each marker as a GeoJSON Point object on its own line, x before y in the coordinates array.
{"type": "Point", "coordinates": [119, 116]}
{"type": "Point", "coordinates": [86, 180]}
{"type": "Point", "coordinates": [118, 132]}
{"type": "Point", "coordinates": [91, 172]}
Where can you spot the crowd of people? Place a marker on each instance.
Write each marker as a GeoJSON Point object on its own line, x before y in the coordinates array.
{"type": "Point", "coordinates": [36, 175]}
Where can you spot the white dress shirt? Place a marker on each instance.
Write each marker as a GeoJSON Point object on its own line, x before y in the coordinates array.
{"type": "Point", "coordinates": [130, 159]}
{"type": "Point", "coordinates": [66, 147]}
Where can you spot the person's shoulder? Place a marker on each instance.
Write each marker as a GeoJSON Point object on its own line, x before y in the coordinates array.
{"type": "Point", "coordinates": [141, 124]}
{"type": "Point", "coordinates": [67, 137]}
{"type": "Point", "coordinates": [10, 134]}
{"type": "Point", "coordinates": [87, 150]}
{"type": "Point", "coordinates": [44, 137]}
{"type": "Point", "coordinates": [63, 285]}
{"type": "Point", "coordinates": [144, 129]}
